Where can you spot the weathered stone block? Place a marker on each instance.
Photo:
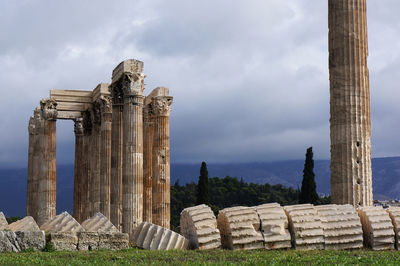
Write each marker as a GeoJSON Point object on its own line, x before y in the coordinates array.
{"type": "Point", "coordinates": [342, 227]}
{"type": "Point", "coordinates": [99, 223]}
{"type": "Point", "coordinates": [240, 228]}
{"type": "Point", "coordinates": [64, 241]}
{"type": "Point", "coordinates": [305, 227]}
{"type": "Point", "coordinates": [88, 241]}
{"type": "Point", "coordinates": [113, 241]}
{"type": "Point", "coordinates": [26, 224]}
{"type": "Point", "coordinates": [274, 226]}
{"type": "Point", "coordinates": [394, 213]}
{"type": "Point", "coordinates": [31, 240]}
{"type": "Point", "coordinates": [154, 237]}
{"type": "Point", "coordinates": [199, 226]}
{"type": "Point", "coordinates": [8, 242]}
{"type": "Point", "coordinates": [63, 222]}
{"type": "Point", "coordinates": [3, 222]}
{"type": "Point", "coordinates": [378, 232]}
{"type": "Point", "coordinates": [127, 66]}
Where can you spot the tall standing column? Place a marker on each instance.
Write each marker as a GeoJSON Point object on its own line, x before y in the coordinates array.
{"type": "Point", "coordinates": [79, 168]}
{"type": "Point", "coordinates": [117, 157]}
{"type": "Point", "coordinates": [148, 134]}
{"type": "Point", "coordinates": [105, 167]}
{"type": "Point", "coordinates": [34, 128]}
{"type": "Point", "coordinates": [350, 123]}
{"type": "Point", "coordinates": [85, 198]}
{"type": "Point", "coordinates": [47, 178]}
{"type": "Point", "coordinates": [95, 160]}
{"type": "Point", "coordinates": [161, 106]}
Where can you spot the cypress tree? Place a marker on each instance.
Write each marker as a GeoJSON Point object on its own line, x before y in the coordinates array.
{"type": "Point", "coordinates": [202, 186]}
{"type": "Point", "coordinates": [308, 192]}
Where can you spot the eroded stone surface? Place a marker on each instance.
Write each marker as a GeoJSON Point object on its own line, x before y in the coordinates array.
{"type": "Point", "coordinates": [305, 227]}
{"type": "Point", "coordinates": [342, 227]}
{"type": "Point", "coordinates": [3, 222]}
{"type": "Point", "coordinates": [377, 227]}
{"type": "Point", "coordinates": [88, 241]}
{"type": "Point", "coordinates": [199, 226]}
{"type": "Point", "coordinates": [26, 224]}
{"type": "Point", "coordinates": [62, 223]}
{"type": "Point", "coordinates": [240, 228]}
{"type": "Point", "coordinates": [394, 213]}
{"type": "Point", "coordinates": [113, 241]}
{"type": "Point", "coordinates": [274, 226]}
{"type": "Point", "coordinates": [20, 241]}
{"type": "Point", "coordinates": [64, 241]}
{"type": "Point", "coordinates": [154, 237]}
{"type": "Point", "coordinates": [8, 242]}
{"type": "Point", "coordinates": [99, 223]}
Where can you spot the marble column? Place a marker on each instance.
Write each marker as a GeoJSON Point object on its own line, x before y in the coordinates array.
{"type": "Point", "coordinates": [350, 122]}
{"type": "Point", "coordinates": [148, 134]}
{"type": "Point", "coordinates": [161, 200]}
{"type": "Point", "coordinates": [34, 128]}
{"type": "Point", "coordinates": [132, 176]}
{"type": "Point", "coordinates": [117, 156]}
{"type": "Point", "coordinates": [47, 178]}
{"type": "Point", "coordinates": [105, 155]}
{"type": "Point", "coordinates": [85, 208]}
{"type": "Point", "coordinates": [79, 168]}
{"type": "Point", "coordinates": [95, 159]}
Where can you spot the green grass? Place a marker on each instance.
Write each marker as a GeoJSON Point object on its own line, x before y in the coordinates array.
{"type": "Point", "coordinates": [135, 257]}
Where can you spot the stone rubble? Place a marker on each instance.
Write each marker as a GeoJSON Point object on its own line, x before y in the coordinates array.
{"type": "Point", "coordinates": [3, 222]}
{"type": "Point", "coordinates": [240, 228]}
{"type": "Point", "coordinates": [341, 226]}
{"type": "Point", "coordinates": [199, 225]}
{"type": "Point", "coordinates": [305, 227]}
{"type": "Point", "coordinates": [394, 213]}
{"type": "Point", "coordinates": [154, 237]}
{"type": "Point", "coordinates": [274, 226]}
{"type": "Point", "coordinates": [377, 228]}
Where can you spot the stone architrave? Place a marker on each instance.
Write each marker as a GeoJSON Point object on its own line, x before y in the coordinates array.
{"type": "Point", "coordinates": [46, 205]}
{"type": "Point", "coordinates": [161, 200]}
{"type": "Point", "coordinates": [131, 78]}
{"type": "Point", "coordinates": [79, 167]}
{"type": "Point", "coordinates": [117, 155]}
{"type": "Point", "coordinates": [95, 160]}
{"type": "Point", "coordinates": [105, 151]}
{"type": "Point", "coordinates": [350, 122]}
{"type": "Point", "coordinates": [240, 228]}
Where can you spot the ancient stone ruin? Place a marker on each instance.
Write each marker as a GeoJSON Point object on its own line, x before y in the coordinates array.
{"type": "Point", "coordinates": [350, 122]}
{"type": "Point", "coordinates": [122, 161]}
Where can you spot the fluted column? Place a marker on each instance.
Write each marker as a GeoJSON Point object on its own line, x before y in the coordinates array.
{"type": "Point", "coordinates": [161, 200]}
{"type": "Point", "coordinates": [47, 178]}
{"type": "Point", "coordinates": [117, 157]}
{"type": "Point", "coordinates": [148, 134]}
{"type": "Point", "coordinates": [105, 167]}
{"type": "Point", "coordinates": [79, 168]}
{"type": "Point", "coordinates": [35, 125]}
{"type": "Point", "coordinates": [95, 160]}
{"type": "Point", "coordinates": [85, 197]}
{"type": "Point", "coordinates": [350, 123]}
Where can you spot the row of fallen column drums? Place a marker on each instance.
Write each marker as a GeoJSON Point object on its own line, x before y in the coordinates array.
{"type": "Point", "coordinates": [271, 226]}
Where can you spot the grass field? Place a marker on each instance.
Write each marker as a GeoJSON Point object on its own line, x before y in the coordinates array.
{"type": "Point", "coordinates": [257, 257]}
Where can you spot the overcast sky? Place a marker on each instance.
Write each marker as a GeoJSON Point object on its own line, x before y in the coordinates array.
{"type": "Point", "coordinates": [249, 78]}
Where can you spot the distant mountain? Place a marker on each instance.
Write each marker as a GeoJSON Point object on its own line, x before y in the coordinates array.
{"type": "Point", "coordinates": [385, 171]}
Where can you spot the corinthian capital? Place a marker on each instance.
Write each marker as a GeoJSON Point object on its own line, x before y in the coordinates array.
{"type": "Point", "coordinates": [133, 84]}
{"type": "Point", "coordinates": [161, 105]}
{"type": "Point", "coordinates": [78, 126]}
{"type": "Point", "coordinates": [49, 109]}
{"type": "Point", "coordinates": [105, 104]}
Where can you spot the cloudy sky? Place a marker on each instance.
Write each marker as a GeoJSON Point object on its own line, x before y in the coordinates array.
{"type": "Point", "coordinates": [249, 78]}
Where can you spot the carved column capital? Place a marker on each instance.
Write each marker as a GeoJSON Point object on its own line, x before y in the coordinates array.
{"type": "Point", "coordinates": [105, 104]}
{"type": "Point", "coordinates": [161, 105]}
{"type": "Point", "coordinates": [96, 113]}
{"type": "Point", "coordinates": [133, 84]}
{"type": "Point", "coordinates": [78, 126]}
{"type": "Point", "coordinates": [49, 109]}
